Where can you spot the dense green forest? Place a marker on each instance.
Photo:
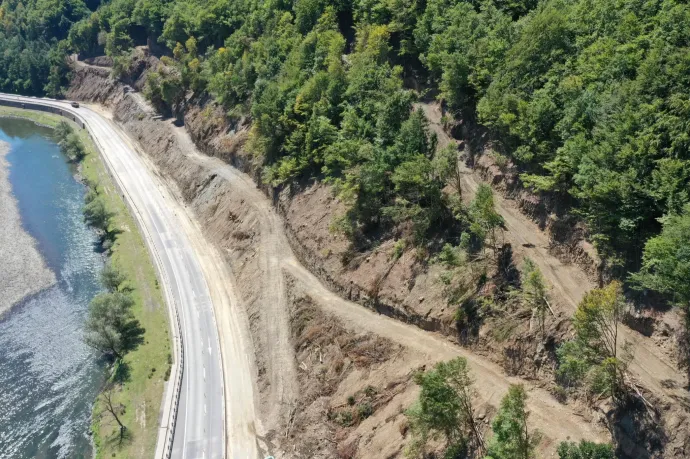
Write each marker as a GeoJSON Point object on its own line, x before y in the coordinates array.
{"type": "Point", "coordinates": [33, 46]}
{"type": "Point", "coordinates": [589, 98]}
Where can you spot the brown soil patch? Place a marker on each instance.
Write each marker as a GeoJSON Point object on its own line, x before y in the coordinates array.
{"type": "Point", "coordinates": [258, 247]}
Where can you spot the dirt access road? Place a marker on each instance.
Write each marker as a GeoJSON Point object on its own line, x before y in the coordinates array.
{"type": "Point", "coordinates": [555, 420]}
{"type": "Point", "coordinates": [651, 367]}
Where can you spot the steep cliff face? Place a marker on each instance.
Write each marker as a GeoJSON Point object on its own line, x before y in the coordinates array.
{"type": "Point", "coordinates": [94, 84]}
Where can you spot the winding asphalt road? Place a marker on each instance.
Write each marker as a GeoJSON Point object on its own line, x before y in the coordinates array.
{"type": "Point", "coordinates": [199, 430]}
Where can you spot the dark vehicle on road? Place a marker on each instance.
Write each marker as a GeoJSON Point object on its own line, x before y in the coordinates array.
{"type": "Point", "coordinates": [75, 104]}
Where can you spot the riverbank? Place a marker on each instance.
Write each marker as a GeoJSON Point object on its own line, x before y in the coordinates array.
{"type": "Point", "coordinates": [24, 270]}
{"type": "Point", "coordinates": [142, 390]}
{"type": "Point", "coordinates": [49, 377]}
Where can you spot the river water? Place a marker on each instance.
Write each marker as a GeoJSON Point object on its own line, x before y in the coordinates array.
{"type": "Point", "coordinates": [48, 377]}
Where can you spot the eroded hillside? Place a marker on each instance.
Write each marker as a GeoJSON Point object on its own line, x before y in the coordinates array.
{"type": "Point", "coordinates": [269, 236]}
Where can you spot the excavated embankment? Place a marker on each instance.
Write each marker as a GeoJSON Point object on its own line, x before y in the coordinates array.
{"type": "Point", "coordinates": [389, 282]}
{"type": "Point", "coordinates": [305, 408]}
{"type": "Point", "coordinates": [386, 278]}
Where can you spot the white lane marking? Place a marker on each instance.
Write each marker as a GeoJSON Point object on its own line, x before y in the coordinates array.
{"type": "Point", "coordinates": [205, 408]}
{"type": "Point", "coordinates": [209, 346]}
{"type": "Point", "coordinates": [204, 373]}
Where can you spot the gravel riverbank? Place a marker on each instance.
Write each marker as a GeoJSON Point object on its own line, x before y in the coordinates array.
{"type": "Point", "coordinates": [23, 271]}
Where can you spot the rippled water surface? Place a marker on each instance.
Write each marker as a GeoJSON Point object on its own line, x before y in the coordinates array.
{"type": "Point", "coordinates": [48, 377]}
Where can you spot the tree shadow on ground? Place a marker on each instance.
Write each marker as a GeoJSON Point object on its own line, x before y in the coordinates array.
{"type": "Point", "coordinates": [132, 335]}
{"type": "Point", "coordinates": [106, 240]}
{"type": "Point", "coordinates": [123, 373]}
{"type": "Point", "coordinates": [507, 274]}
{"type": "Point", "coordinates": [117, 441]}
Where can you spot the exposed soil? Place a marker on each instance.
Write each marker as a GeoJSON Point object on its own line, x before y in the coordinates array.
{"type": "Point", "coordinates": [354, 387]}
{"type": "Point", "coordinates": [257, 246]}
{"type": "Point", "coordinates": [654, 366]}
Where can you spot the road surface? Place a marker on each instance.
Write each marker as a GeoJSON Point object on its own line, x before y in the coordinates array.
{"type": "Point", "coordinates": [199, 430]}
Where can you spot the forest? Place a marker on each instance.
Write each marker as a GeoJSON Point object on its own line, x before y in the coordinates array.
{"type": "Point", "coordinates": [588, 99]}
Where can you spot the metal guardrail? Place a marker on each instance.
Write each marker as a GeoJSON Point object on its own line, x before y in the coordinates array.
{"type": "Point", "coordinates": [178, 372]}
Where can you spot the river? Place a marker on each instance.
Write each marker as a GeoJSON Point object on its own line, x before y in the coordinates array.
{"type": "Point", "coordinates": [48, 377]}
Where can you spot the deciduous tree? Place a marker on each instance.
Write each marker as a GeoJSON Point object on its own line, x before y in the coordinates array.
{"type": "Point", "coordinates": [97, 215]}
{"type": "Point", "coordinates": [512, 438]}
{"type": "Point", "coordinates": [447, 167]}
{"type": "Point", "coordinates": [110, 327]}
{"type": "Point", "coordinates": [445, 407]}
{"type": "Point", "coordinates": [534, 293]}
{"type": "Point", "coordinates": [594, 353]}
{"type": "Point", "coordinates": [485, 222]}
{"type": "Point", "coordinates": [585, 450]}
{"type": "Point", "coordinates": [666, 269]}
{"type": "Point", "coordinates": [112, 278]}
{"type": "Point", "coordinates": [107, 400]}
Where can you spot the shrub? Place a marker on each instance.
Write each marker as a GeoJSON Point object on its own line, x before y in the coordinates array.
{"type": "Point", "coordinates": [365, 410]}
{"type": "Point", "coordinates": [585, 450]}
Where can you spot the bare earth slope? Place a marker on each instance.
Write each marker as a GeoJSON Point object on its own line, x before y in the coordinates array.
{"type": "Point", "coordinates": [23, 270]}
{"type": "Point", "coordinates": [251, 238]}
{"type": "Point", "coordinates": [654, 369]}
{"type": "Point", "coordinates": [214, 188]}
{"type": "Point", "coordinates": [490, 382]}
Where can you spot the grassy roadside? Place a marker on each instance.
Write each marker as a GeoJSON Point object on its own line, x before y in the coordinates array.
{"type": "Point", "coordinates": [148, 365]}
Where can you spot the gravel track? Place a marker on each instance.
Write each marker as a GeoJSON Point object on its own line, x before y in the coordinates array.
{"type": "Point", "coordinates": [555, 420]}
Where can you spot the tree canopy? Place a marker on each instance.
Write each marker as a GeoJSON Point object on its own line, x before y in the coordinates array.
{"type": "Point", "coordinates": [594, 355]}
{"type": "Point", "coordinates": [512, 438]}
{"type": "Point", "coordinates": [32, 40]}
{"type": "Point", "coordinates": [587, 97]}
{"type": "Point", "coordinates": [585, 450]}
{"type": "Point", "coordinates": [666, 259]}
{"type": "Point", "coordinates": [445, 407]}
{"type": "Point", "coordinates": [110, 327]}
